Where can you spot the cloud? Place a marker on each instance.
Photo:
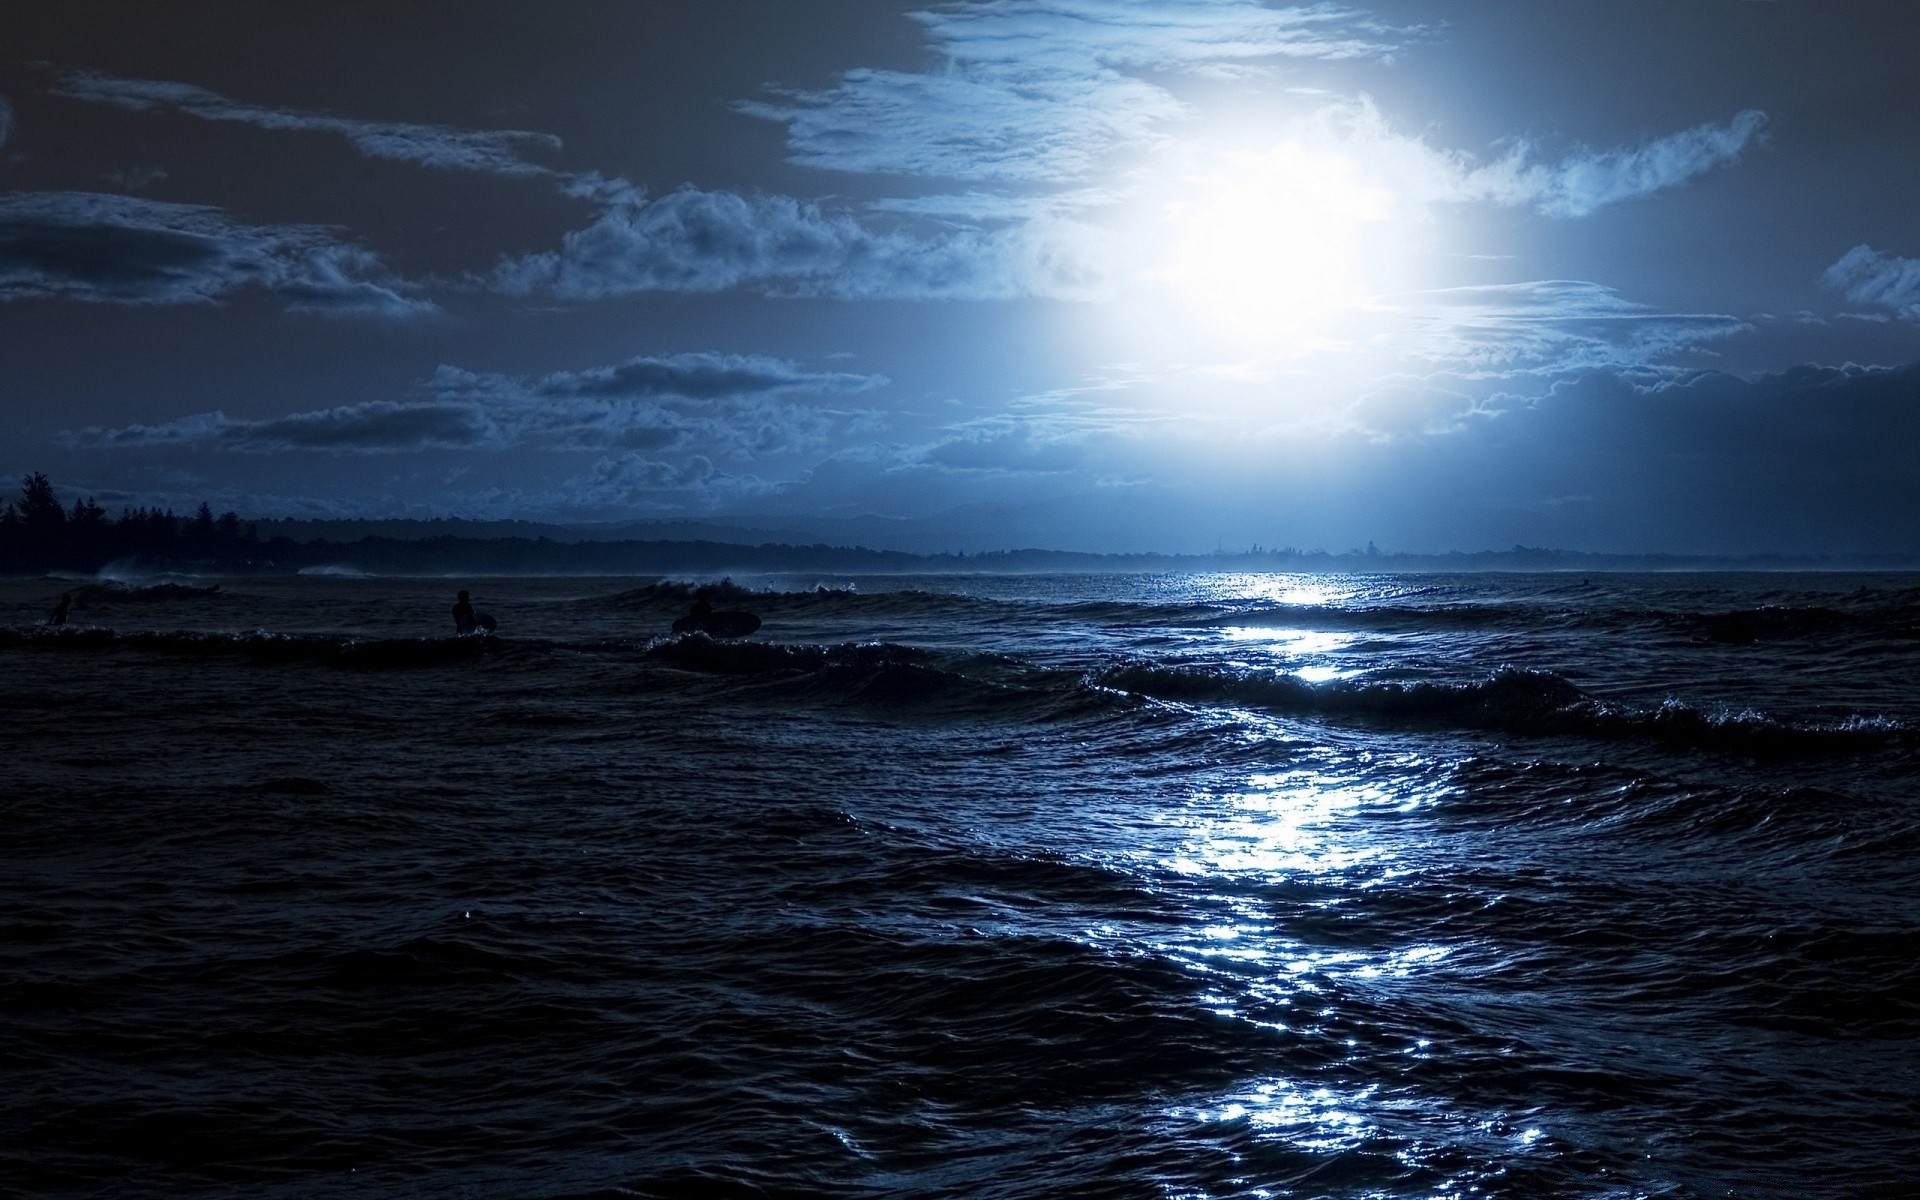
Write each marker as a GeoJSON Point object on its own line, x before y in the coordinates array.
{"type": "Point", "coordinates": [1418, 173]}
{"type": "Point", "coordinates": [494, 151]}
{"type": "Point", "coordinates": [1041, 90]}
{"type": "Point", "coordinates": [699, 376]}
{"type": "Point", "coordinates": [1587, 182]}
{"type": "Point", "coordinates": [1007, 447]}
{"type": "Point", "coordinates": [719, 404]}
{"type": "Point", "coordinates": [115, 249]}
{"type": "Point", "coordinates": [636, 483]}
{"type": "Point", "coordinates": [6, 121]}
{"type": "Point", "coordinates": [372, 426]}
{"type": "Point", "coordinates": [135, 178]}
{"type": "Point", "coordinates": [1867, 276]}
{"type": "Point", "coordinates": [1552, 326]}
{"type": "Point", "coordinates": [619, 486]}
{"type": "Point", "coordinates": [729, 405]}
{"type": "Point", "coordinates": [698, 241]}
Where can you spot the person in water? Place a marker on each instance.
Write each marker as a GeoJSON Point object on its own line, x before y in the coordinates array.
{"type": "Point", "coordinates": [463, 614]}
{"type": "Point", "coordinates": [59, 614]}
{"type": "Point", "coordinates": [702, 607]}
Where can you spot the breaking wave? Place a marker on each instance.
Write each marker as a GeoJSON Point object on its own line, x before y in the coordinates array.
{"type": "Point", "coordinates": [1512, 700]}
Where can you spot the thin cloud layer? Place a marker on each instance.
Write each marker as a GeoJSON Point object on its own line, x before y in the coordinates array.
{"type": "Point", "coordinates": [1553, 326]}
{"type": "Point", "coordinates": [493, 151]}
{"type": "Point", "coordinates": [698, 241]}
{"type": "Point", "coordinates": [724, 404]}
{"type": "Point", "coordinates": [372, 426]}
{"type": "Point", "coordinates": [639, 483]}
{"type": "Point", "coordinates": [1866, 276]}
{"type": "Point", "coordinates": [1041, 90]}
{"type": "Point", "coordinates": [698, 376]}
{"type": "Point", "coordinates": [102, 248]}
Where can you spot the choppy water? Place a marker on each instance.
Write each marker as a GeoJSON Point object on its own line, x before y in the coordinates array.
{"type": "Point", "coordinates": [981, 887]}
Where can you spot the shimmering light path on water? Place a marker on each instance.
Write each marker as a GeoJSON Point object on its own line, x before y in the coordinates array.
{"type": "Point", "coordinates": [975, 887]}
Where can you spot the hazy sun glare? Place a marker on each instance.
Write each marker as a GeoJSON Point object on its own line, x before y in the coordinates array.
{"type": "Point", "coordinates": [1272, 245]}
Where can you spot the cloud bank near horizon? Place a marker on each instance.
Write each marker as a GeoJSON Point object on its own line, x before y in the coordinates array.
{"type": "Point", "coordinates": [729, 405]}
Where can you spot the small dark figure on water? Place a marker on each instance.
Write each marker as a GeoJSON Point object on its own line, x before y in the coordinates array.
{"type": "Point", "coordinates": [463, 614]}
{"type": "Point", "coordinates": [702, 619]}
{"type": "Point", "coordinates": [59, 614]}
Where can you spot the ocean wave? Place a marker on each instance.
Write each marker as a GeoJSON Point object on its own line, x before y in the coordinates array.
{"type": "Point", "coordinates": [1511, 700]}
{"type": "Point", "coordinates": [1385, 617]}
{"type": "Point", "coordinates": [1766, 623]}
{"type": "Point", "coordinates": [822, 600]}
{"type": "Point", "coordinates": [95, 593]}
{"type": "Point", "coordinates": [1892, 616]}
{"type": "Point", "coordinates": [882, 675]}
{"type": "Point", "coordinates": [364, 653]}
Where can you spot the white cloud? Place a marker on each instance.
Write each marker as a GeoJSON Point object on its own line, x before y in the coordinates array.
{"type": "Point", "coordinates": [1042, 90]}
{"type": "Point", "coordinates": [1866, 276]}
{"type": "Point", "coordinates": [1419, 173]}
{"type": "Point", "coordinates": [1587, 182]}
{"type": "Point", "coordinates": [698, 241]}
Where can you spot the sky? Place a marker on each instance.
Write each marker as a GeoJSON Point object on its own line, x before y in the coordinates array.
{"type": "Point", "coordinates": [1141, 275]}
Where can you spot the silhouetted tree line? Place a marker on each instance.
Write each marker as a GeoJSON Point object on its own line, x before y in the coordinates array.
{"type": "Point", "coordinates": [37, 533]}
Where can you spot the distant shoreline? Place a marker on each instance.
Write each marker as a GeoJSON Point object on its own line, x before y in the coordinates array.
{"type": "Point", "coordinates": [40, 536]}
{"type": "Point", "coordinates": [457, 556]}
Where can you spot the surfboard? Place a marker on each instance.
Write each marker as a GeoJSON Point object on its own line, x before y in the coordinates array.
{"type": "Point", "coordinates": [484, 623]}
{"type": "Point", "coordinates": [720, 624]}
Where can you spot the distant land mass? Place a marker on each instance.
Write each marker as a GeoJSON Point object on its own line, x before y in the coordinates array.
{"type": "Point", "coordinates": [39, 535]}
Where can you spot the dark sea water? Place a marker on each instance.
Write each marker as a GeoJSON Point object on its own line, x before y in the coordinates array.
{"type": "Point", "coordinates": [981, 887]}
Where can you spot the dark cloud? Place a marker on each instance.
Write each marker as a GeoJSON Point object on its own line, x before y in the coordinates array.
{"type": "Point", "coordinates": [1867, 276]}
{"type": "Point", "coordinates": [701, 376]}
{"type": "Point", "coordinates": [635, 482]}
{"type": "Point", "coordinates": [372, 427]}
{"type": "Point", "coordinates": [494, 151]}
{"type": "Point", "coordinates": [723, 404]}
{"type": "Point", "coordinates": [125, 250]}
{"type": "Point", "coordinates": [728, 404]}
{"type": "Point", "coordinates": [698, 241]}
{"type": "Point", "coordinates": [136, 178]}
{"type": "Point", "coordinates": [6, 121]}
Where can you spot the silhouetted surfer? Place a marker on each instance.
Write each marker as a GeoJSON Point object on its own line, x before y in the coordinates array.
{"type": "Point", "coordinates": [702, 619]}
{"type": "Point", "coordinates": [463, 614]}
{"type": "Point", "coordinates": [59, 614]}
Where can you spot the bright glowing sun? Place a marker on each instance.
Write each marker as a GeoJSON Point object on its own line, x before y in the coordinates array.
{"type": "Point", "coordinates": [1272, 245]}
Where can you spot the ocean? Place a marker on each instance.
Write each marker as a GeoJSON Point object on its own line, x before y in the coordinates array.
{"type": "Point", "coordinates": [983, 887]}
